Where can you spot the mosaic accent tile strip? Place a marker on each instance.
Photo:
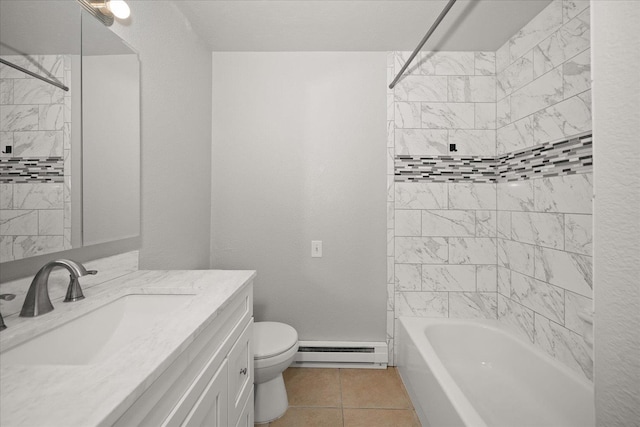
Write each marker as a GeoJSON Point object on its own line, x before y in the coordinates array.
{"type": "Point", "coordinates": [19, 170]}
{"type": "Point", "coordinates": [558, 158]}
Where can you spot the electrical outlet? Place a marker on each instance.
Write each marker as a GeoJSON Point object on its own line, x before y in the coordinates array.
{"type": "Point", "coordinates": [316, 248]}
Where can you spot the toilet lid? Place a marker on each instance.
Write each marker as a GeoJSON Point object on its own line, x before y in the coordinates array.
{"type": "Point", "coordinates": [272, 338]}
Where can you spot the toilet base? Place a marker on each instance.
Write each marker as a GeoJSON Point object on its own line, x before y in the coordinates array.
{"type": "Point", "coordinates": [270, 402]}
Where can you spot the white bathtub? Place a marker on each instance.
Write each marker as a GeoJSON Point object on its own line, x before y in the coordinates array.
{"type": "Point", "coordinates": [475, 373]}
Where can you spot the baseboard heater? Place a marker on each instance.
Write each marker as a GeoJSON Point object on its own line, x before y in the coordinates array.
{"type": "Point", "coordinates": [342, 354]}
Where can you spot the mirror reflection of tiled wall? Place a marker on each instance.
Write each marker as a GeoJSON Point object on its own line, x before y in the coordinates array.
{"type": "Point", "coordinates": [35, 174]}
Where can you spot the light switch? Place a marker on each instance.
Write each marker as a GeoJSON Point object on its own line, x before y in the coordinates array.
{"type": "Point", "coordinates": [316, 248]}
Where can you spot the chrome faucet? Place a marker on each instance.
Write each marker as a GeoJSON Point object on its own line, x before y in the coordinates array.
{"type": "Point", "coordinates": [5, 297]}
{"type": "Point", "coordinates": [37, 301]}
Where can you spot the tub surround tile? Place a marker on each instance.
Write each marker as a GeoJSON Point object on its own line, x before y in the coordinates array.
{"type": "Point", "coordinates": [472, 196]}
{"type": "Point", "coordinates": [50, 117]}
{"type": "Point", "coordinates": [6, 196]}
{"type": "Point", "coordinates": [422, 89]}
{"type": "Point", "coordinates": [526, 257]}
{"type": "Point", "coordinates": [390, 157]}
{"type": "Point", "coordinates": [448, 223]}
{"type": "Point", "coordinates": [571, 8]}
{"type": "Point", "coordinates": [390, 270]}
{"type": "Point", "coordinates": [515, 136]}
{"type": "Point", "coordinates": [515, 76]}
{"type": "Point", "coordinates": [18, 117]}
{"type": "Point", "coordinates": [17, 222]}
{"type": "Point", "coordinates": [485, 116]}
{"type": "Point", "coordinates": [408, 277]}
{"type": "Point", "coordinates": [541, 229]}
{"type": "Point", "coordinates": [390, 243]}
{"type": "Point", "coordinates": [504, 281]}
{"type": "Point", "coordinates": [448, 63]}
{"type": "Point", "coordinates": [423, 195]}
{"type": "Point", "coordinates": [407, 114]}
{"type": "Point", "coordinates": [38, 196]}
{"type": "Point", "coordinates": [422, 304]}
{"type": "Point", "coordinates": [503, 112]}
{"type": "Point", "coordinates": [504, 224]}
{"type": "Point", "coordinates": [473, 305]}
{"type": "Point", "coordinates": [474, 141]}
{"type": "Point", "coordinates": [425, 250]}
{"type": "Point", "coordinates": [447, 115]}
{"type": "Point", "coordinates": [569, 194]}
{"type": "Point", "coordinates": [486, 224]}
{"type": "Point", "coordinates": [567, 270]}
{"type": "Point", "coordinates": [408, 223]}
{"type": "Point", "coordinates": [574, 304]}
{"type": "Point", "coordinates": [577, 74]}
{"type": "Point", "coordinates": [569, 117]}
{"type": "Point", "coordinates": [485, 63]}
{"type": "Point", "coordinates": [6, 248]}
{"type": "Point", "coordinates": [390, 133]}
{"type": "Point", "coordinates": [454, 278]}
{"type": "Point", "coordinates": [516, 317]}
{"type": "Point", "coordinates": [6, 91]}
{"type": "Point", "coordinates": [33, 91]}
{"type": "Point", "coordinates": [38, 144]}
{"type": "Point", "coordinates": [416, 142]}
{"type": "Point", "coordinates": [391, 215]}
{"type": "Point", "coordinates": [487, 278]}
{"type": "Point", "coordinates": [471, 89]}
{"type": "Point", "coordinates": [50, 222]}
{"type": "Point", "coordinates": [516, 256]}
{"type": "Point", "coordinates": [538, 296]}
{"type": "Point", "coordinates": [469, 250]}
{"type": "Point", "coordinates": [537, 95]}
{"type": "Point", "coordinates": [578, 234]}
{"type": "Point", "coordinates": [516, 196]}
{"type": "Point", "coordinates": [28, 246]}
{"type": "Point", "coordinates": [539, 28]}
{"type": "Point", "coordinates": [564, 345]}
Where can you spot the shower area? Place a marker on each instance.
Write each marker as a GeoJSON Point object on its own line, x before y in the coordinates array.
{"type": "Point", "coordinates": [490, 186]}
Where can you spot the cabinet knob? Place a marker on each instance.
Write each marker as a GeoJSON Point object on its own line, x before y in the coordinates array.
{"type": "Point", "coordinates": [243, 371]}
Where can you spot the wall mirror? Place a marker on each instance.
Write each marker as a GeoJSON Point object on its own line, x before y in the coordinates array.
{"type": "Point", "coordinates": [70, 161]}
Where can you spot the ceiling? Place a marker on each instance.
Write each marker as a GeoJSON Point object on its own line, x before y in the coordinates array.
{"type": "Point", "coordinates": [348, 25]}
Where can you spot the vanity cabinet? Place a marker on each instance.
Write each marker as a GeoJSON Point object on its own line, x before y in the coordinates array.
{"type": "Point", "coordinates": [211, 382]}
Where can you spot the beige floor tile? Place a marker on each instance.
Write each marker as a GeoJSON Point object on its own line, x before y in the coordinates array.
{"type": "Point", "coordinates": [313, 387]}
{"type": "Point", "coordinates": [310, 417]}
{"type": "Point", "coordinates": [380, 418]}
{"type": "Point", "coordinates": [373, 388]}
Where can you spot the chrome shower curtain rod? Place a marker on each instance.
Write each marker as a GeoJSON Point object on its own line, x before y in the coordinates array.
{"type": "Point", "coordinates": [422, 42]}
{"type": "Point", "coordinates": [32, 74]}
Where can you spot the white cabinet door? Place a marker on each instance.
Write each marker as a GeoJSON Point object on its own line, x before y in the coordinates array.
{"type": "Point", "coordinates": [240, 373]}
{"type": "Point", "coordinates": [246, 416]}
{"type": "Point", "coordinates": [211, 408]}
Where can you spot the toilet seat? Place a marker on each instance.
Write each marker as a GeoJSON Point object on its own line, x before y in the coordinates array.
{"type": "Point", "coordinates": [272, 339]}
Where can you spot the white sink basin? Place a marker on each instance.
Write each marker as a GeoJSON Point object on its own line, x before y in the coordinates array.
{"type": "Point", "coordinates": [97, 335]}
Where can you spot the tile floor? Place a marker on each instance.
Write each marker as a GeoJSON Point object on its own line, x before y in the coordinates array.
{"type": "Point", "coordinates": [346, 398]}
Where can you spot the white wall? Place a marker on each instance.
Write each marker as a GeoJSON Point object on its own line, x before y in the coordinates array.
{"type": "Point", "coordinates": [299, 155]}
{"type": "Point", "coordinates": [616, 126]}
{"type": "Point", "coordinates": [176, 136]}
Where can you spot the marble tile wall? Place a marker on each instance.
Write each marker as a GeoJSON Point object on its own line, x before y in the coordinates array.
{"type": "Point", "coordinates": [543, 90]}
{"type": "Point", "coordinates": [545, 224]}
{"type": "Point", "coordinates": [35, 180]}
{"type": "Point", "coordinates": [519, 247]}
{"type": "Point", "coordinates": [441, 235]}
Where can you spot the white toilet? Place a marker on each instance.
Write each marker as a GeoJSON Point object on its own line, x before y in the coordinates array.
{"type": "Point", "coordinates": [275, 346]}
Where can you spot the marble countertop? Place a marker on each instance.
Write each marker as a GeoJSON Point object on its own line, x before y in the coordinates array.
{"type": "Point", "coordinates": [99, 393]}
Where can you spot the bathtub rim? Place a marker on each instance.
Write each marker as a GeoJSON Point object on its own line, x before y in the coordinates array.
{"type": "Point", "coordinates": [415, 328]}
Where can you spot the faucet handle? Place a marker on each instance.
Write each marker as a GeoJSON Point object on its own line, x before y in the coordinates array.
{"type": "Point", "coordinates": [92, 272]}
